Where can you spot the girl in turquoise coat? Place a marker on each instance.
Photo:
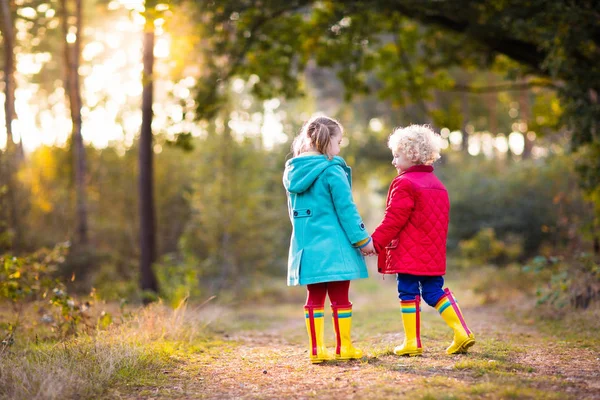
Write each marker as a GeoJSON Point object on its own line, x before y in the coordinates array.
{"type": "Point", "coordinates": [327, 235]}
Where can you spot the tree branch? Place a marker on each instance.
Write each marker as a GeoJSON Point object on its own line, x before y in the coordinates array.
{"type": "Point", "coordinates": [254, 29]}
{"type": "Point", "coordinates": [496, 40]}
{"type": "Point", "coordinates": [407, 66]}
{"type": "Point", "coordinates": [504, 87]}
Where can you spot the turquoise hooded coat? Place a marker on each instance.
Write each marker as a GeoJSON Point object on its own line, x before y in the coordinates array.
{"type": "Point", "coordinates": [325, 221]}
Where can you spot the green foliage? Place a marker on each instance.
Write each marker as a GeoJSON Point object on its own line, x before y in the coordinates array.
{"type": "Point", "coordinates": [405, 51]}
{"type": "Point", "coordinates": [113, 284]}
{"type": "Point", "coordinates": [536, 201]}
{"type": "Point", "coordinates": [220, 201]}
{"type": "Point", "coordinates": [28, 279]}
{"type": "Point", "coordinates": [178, 280]}
{"type": "Point", "coordinates": [382, 40]}
{"type": "Point", "coordinates": [484, 248]}
{"type": "Point", "coordinates": [265, 45]}
{"type": "Point", "coordinates": [112, 203]}
{"type": "Point", "coordinates": [238, 228]}
{"type": "Point", "coordinates": [5, 234]}
{"type": "Point", "coordinates": [571, 281]}
{"type": "Point", "coordinates": [587, 161]}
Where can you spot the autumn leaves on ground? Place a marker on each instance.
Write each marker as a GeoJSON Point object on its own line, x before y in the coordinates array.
{"type": "Point", "coordinates": [259, 350]}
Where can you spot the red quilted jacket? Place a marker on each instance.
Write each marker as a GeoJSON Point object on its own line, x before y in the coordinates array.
{"type": "Point", "coordinates": [411, 238]}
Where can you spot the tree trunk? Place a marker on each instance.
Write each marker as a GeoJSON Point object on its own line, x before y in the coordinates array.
{"type": "Point", "coordinates": [73, 93]}
{"type": "Point", "coordinates": [524, 111]}
{"type": "Point", "coordinates": [464, 102]}
{"type": "Point", "coordinates": [147, 218]}
{"type": "Point", "coordinates": [11, 157]}
{"type": "Point", "coordinates": [9, 71]}
{"type": "Point", "coordinates": [492, 99]}
{"type": "Point", "coordinates": [79, 153]}
{"type": "Point", "coordinates": [227, 255]}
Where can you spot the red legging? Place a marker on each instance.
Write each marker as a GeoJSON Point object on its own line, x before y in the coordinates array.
{"type": "Point", "coordinates": [338, 293]}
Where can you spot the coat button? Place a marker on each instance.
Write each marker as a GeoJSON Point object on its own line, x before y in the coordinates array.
{"type": "Point", "coordinates": [295, 213]}
{"type": "Point", "coordinates": [307, 212]}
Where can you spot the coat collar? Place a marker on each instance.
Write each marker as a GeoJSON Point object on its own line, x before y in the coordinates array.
{"type": "Point", "coordinates": [417, 168]}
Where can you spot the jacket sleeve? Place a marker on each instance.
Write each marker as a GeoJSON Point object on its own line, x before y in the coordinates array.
{"type": "Point", "coordinates": [398, 209]}
{"type": "Point", "coordinates": [345, 209]}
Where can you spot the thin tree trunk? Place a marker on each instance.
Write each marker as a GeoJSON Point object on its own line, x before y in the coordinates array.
{"type": "Point", "coordinates": [593, 93]}
{"type": "Point", "coordinates": [442, 161]}
{"type": "Point", "coordinates": [73, 93]}
{"type": "Point", "coordinates": [4, 215]}
{"type": "Point", "coordinates": [79, 154]}
{"type": "Point", "coordinates": [491, 106]}
{"type": "Point", "coordinates": [9, 70]}
{"type": "Point", "coordinates": [491, 100]}
{"type": "Point", "coordinates": [11, 157]}
{"type": "Point", "coordinates": [147, 216]}
{"type": "Point", "coordinates": [524, 111]}
{"type": "Point", "coordinates": [464, 103]}
{"type": "Point", "coordinates": [229, 265]}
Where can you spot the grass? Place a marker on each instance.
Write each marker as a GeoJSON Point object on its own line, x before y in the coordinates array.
{"type": "Point", "coordinates": [578, 327]}
{"type": "Point", "coordinates": [259, 350]}
{"type": "Point", "coordinates": [133, 354]}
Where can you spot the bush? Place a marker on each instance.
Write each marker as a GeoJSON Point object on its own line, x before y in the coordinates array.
{"type": "Point", "coordinates": [239, 226]}
{"type": "Point", "coordinates": [571, 281]}
{"type": "Point", "coordinates": [29, 279]}
{"type": "Point", "coordinates": [178, 279]}
{"type": "Point", "coordinates": [536, 201]}
{"type": "Point", "coordinates": [484, 248]}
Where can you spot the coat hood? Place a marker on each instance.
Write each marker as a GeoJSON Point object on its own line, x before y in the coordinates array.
{"type": "Point", "coordinates": [301, 172]}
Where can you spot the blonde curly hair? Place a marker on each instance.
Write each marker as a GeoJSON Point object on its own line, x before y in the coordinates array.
{"type": "Point", "coordinates": [419, 144]}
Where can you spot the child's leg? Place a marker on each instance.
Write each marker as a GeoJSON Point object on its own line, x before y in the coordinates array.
{"type": "Point", "coordinates": [338, 292]}
{"type": "Point", "coordinates": [316, 293]}
{"type": "Point", "coordinates": [314, 316]}
{"type": "Point", "coordinates": [431, 287]}
{"type": "Point", "coordinates": [342, 320]}
{"type": "Point", "coordinates": [448, 308]}
{"type": "Point", "coordinates": [410, 300]}
{"type": "Point", "coordinates": [408, 286]}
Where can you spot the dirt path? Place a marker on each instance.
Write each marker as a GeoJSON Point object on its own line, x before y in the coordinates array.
{"type": "Point", "coordinates": [263, 354]}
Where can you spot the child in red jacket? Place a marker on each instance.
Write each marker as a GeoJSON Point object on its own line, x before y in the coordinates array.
{"type": "Point", "coordinates": [411, 238]}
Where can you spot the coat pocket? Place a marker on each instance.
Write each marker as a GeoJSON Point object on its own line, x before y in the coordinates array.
{"type": "Point", "coordinates": [302, 213]}
{"type": "Point", "coordinates": [393, 244]}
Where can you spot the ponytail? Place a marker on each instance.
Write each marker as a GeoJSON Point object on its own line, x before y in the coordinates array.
{"type": "Point", "coordinates": [316, 134]}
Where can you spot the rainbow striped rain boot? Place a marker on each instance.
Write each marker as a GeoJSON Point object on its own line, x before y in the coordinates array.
{"type": "Point", "coordinates": [411, 319]}
{"type": "Point", "coordinates": [315, 327]}
{"type": "Point", "coordinates": [450, 312]}
{"type": "Point", "coordinates": [342, 322]}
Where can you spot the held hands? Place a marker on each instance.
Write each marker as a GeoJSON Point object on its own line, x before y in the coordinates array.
{"type": "Point", "coordinates": [368, 250]}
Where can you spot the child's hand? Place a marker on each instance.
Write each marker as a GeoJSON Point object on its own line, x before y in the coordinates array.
{"type": "Point", "coordinates": [368, 250]}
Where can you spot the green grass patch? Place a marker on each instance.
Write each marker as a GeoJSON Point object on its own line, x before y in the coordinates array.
{"type": "Point", "coordinates": [578, 327]}
{"type": "Point", "coordinates": [448, 388]}
{"type": "Point", "coordinates": [480, 367]}
{"type": "Point", "coordinates": [139, 352]}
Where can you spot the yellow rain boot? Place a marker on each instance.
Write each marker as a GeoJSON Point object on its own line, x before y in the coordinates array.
{"type": "Point", "coordinates": [450, 312]}
{"type": "Point", "coordinates": [411, 319]}
{"type": "Point", "coordinates": [342, 322]}
{"type": "Point", "coordinates": [315, 328]}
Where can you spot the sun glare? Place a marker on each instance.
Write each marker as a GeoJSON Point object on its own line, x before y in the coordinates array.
{"type": "Point", "coordinates": [111, 84]}
{"type": "Point", "coordinates": [111, 72]}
